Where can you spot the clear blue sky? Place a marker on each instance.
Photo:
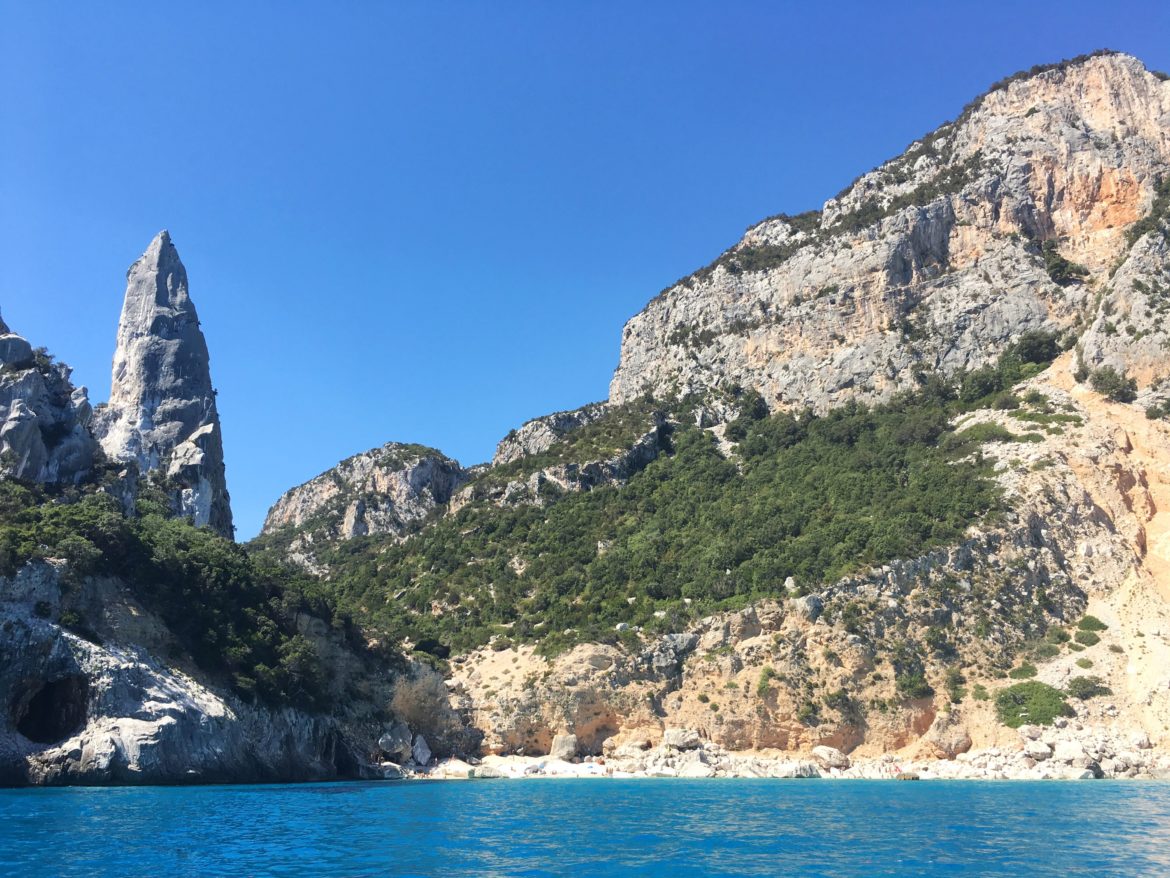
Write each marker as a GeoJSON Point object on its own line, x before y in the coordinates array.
{"type": "Point", "coordinates": [428, 221]}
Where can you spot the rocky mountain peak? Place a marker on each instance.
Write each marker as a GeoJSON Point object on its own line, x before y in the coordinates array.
{"type": "Point", "coordinates": [385, 490]}
{"type": "Point", "coordinates": [1014, 217]}
{"type": "Point", "coordinates": [162, 413]}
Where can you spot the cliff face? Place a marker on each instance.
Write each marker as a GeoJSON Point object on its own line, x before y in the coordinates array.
{"type": "Point", "coordinates": [162, 413]}
{"type": "Point", "coordinates": [100, 706]}
{"type": "Point", "coordinates": [1011, 218]}
{"type": "Point", "coordinates": [539, 434]}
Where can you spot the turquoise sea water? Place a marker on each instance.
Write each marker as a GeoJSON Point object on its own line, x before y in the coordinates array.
{"type": "Point", "coordinates": [668, 828]}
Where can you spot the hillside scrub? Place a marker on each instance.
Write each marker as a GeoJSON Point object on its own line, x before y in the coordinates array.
{"type": "Point", "coordinates": [1032, 703]}
{"type": "Point", "coordinates": [811, 497]}
{"type": "Point", "coordinates": [232, 612]}
{"type": "Point", "coordinates": [805, 496]}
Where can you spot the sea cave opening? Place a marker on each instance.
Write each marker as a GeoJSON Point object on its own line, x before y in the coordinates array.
{"type": "Point", "coordinates": [52, 711]}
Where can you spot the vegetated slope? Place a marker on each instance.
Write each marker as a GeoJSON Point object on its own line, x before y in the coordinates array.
{"type": "Point", "coordinates": [139, 648]}
{"type": "Point", "coordinates": [1050, 610]}
{"type": "Point", "coordinates": [804, 500]}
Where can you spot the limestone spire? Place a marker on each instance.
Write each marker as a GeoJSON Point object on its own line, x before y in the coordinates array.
{"type": "Point", "coordinates": [162, 413]}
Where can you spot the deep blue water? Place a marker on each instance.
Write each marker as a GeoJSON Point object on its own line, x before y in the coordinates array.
{"type": "Point", "coordinates": [668, 828]}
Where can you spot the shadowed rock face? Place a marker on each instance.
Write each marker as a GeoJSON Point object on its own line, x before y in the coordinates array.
{"type": "Point", "coordinates": [162, 413]}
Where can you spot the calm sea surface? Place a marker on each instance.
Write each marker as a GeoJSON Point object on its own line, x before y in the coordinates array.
{"type": "Point", "coordinates": [667, 828]}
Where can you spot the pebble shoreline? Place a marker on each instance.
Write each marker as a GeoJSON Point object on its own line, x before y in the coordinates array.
{"type": "Point", "coordinates": [1067, 753]}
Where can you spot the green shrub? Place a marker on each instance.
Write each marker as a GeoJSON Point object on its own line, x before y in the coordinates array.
{"type": "Point", "coordinates": [954, 685]}
{"type": "Point", "coordinates": [1087, 638]}
{"type": "Point", "coordinates": [1045, 651]}
{"type": "Point", "coordinates": [1032, 702]}
{"type": "Point", "coordinates": [979, 692]}
{"type": "Point", "coordinates": [764, 685]}
{"type": "Point", "coordinates": [1084, 688]}
{"type": "Point", "coordinates": [1084, 663]}
{"type": "Point", "coordinates": [909, 672]}
{"type": "Point", "coordinates": [986, 432]}
{"type": "Point", "coordinates": [1113, 385]}
{"type": "Point", "coordinates": [1091, 623]}
{"type": "Point", "coordinates": [1023, 672]}
{"type": "Point", "coordinates": [1061, 270]}
{"type": "Point", "coordinates": [1057, 635]}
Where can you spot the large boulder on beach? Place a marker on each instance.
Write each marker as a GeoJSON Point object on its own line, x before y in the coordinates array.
{"type": "Point", "coordinates": [420, 752]}
{"type": "Point", "coordinates": [830, 757]}
{"type": "Point", "coordinates": [947, 737]}
{"type": "Point", "coordinates": [681, 739]}
{"type": "Point", "coordinates": [563, 747]}
{"type": "Point", "coordinates": [395, 742]}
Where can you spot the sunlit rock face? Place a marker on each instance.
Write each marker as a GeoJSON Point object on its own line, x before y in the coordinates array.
{"type": "Point", "coordinates": [162, 414]}
{"type": "Point", "coordinates": [936, 260]}
{"type": "Point", "coordinates": [44, 435]}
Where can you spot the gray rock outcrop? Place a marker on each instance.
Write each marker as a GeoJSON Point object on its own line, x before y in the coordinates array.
{"type": "Point", "coordinates": [386, 490]}
{"type": "Point", "coordinates": [563, 747]}
{"type": "Point", "coordinates": [545, 482]}
{"type": "Point", "coordinates": [162, 414]}
{"type": "Point", "coordinates": [937, 259]}
{"type": "Point", "coordinates": [542, 433]}
{"type": "Point", "coordinates": [44, 419]}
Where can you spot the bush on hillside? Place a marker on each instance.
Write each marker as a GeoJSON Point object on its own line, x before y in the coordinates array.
{"type": "Point", "coordinates": [1032, 703]}
{"type": "Point", "coordinates": [1113, 385]}
{"type": "Point", "coordinates": [1084, 688]}
{"type": "Point", "coordinates": [232, 612]}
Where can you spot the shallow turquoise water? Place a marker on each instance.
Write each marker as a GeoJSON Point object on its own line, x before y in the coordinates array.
{"type": "Point", "coordinates": [592, 827]}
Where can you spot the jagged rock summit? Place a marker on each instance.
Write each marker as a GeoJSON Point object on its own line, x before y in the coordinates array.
{"type": "Point", "coordinates": [44, 419]}
{"type": "Point", "coordinates": [1039, 207]}
{"type": "Point", "coordinates": [381, 491]}
{"type": "Point", "coordinates": [162, 413]}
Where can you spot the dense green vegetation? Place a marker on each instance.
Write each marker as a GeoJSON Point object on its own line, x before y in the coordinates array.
{"type": "Point", "coordinates": [1113, 385]}
{"type": "Point", "coordinates": [810, 497]}
{"type": "Point", "coordinates": [231, 612]}
{"type": "Point", "coordinates": [804, 496]}
{"type": "Point", "coordinates": [1030, 703]}
{"type": "Point", "coordinates": [1061, 270]}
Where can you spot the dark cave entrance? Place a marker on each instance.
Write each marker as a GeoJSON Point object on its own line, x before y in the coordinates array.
{"type": "Point", "coordinates": [53, 711]}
